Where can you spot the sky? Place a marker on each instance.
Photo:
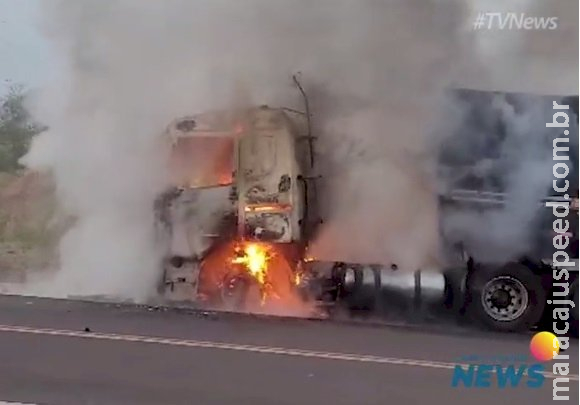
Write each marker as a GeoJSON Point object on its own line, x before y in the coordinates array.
{"type": "Point", "coordinates": [25, 56]}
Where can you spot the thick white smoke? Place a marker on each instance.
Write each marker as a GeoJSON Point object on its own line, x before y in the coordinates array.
{"type": "Point", "coordinates": [379, 202]}
{"type": "Point", "coordinates": [519, 60]}
{"type": "Point", "coordinates": [377, 70]}
{"type": "Point", "coordinates": [541, 62]}
{"type": "Point", "coordinates": [132, 66]}
{"type": "Point", "coordinates": [512, 153]}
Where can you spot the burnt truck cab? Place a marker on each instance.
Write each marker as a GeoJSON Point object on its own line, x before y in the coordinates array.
{"type": "Point", "coordinates": [270, 198]}
{"type": "Point", "coordinates": [236, 176]}
{"type": "Point", "coordinates": [497, 219]}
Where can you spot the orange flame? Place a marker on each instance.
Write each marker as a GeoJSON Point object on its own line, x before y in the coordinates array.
{"type": "Point", "coordinates": [297, 278]}
{"type": "Point", "coordinates": [274, 274]}
{"type": "Point", "coordinates": [255, 258]}
{"type": "Point", "coordinates": [268, 208]}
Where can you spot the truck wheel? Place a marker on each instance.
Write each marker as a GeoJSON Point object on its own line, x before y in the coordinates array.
{"type": "Point", "coordinates": [234, 292]}
{"type": "Point", "coordinates": [509, 298]}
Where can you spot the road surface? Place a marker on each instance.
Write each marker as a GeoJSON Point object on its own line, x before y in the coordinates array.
{"type": "Point", "coordinates": [66, 352]}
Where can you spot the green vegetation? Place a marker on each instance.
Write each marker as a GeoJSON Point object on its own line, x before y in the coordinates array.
{"type": "Point", "coordinates": [16, 129]}
{"type": "Point", "coordinates": [27, 201]}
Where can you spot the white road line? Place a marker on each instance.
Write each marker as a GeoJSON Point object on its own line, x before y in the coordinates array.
{"type": "Point", "coordinates": [13, 403]}
{"type": "Point", "coordinates": [245, 348]}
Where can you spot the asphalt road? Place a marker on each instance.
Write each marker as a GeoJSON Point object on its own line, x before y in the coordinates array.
{"type": "Point", "coordinates": [140, 355]}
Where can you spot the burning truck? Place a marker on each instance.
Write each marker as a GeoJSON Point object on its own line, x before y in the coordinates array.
{"type": "Point", "coordinates": [245, 252]}
{"type": "Point", "coordinates": [238, 222]}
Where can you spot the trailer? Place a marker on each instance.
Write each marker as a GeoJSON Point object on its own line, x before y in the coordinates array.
{"type": "Point", "coordinates": [242, 211]}
{"type": "Point", "coordinates": [512, 290]}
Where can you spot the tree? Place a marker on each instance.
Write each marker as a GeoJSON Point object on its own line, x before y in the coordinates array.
{"type": "Point", "coordinates": [16, 129]}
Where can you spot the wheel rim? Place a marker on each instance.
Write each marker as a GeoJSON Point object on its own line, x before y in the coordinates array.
{"type": "Point", "coordinates": [504, 298]}
{"type": "Point", "coordinates": [234, 290]}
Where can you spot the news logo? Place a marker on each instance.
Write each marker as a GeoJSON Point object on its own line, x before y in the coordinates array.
{"type": "Point", "coordinates": [508, 371]}
{"type": "Point", "coordinates": [544, 346]}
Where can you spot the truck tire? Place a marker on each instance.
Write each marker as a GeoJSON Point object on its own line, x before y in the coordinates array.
{"type": "Point", "coordinates": [235, 291]}
{"type": "Point", "coordinates": [508, 299]}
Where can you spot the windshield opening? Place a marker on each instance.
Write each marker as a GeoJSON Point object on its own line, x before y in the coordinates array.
{"type": "Point", "coordinates": [202, 161]}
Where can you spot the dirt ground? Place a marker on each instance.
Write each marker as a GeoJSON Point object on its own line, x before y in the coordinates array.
{"type": "Point", "coordinates": [29, 225]}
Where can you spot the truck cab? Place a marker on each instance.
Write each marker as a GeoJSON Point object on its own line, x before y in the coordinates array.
{"type": "Point", "coordinates": [270, 197]}
{"type": "Point", "coordinates": [237, 177]}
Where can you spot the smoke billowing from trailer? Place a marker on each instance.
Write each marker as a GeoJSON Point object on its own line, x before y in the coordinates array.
{"type": "Point", "coordinates": [379, 202]}
{"type": "Point", "coordinates": [513, 129]}
{"type": "Point", "coordinates": [508, 151]}
{"type": "Point", "coordinates": [376, 71]}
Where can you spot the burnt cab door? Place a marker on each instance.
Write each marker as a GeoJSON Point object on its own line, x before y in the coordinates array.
{"type": "Point", "coordinates": [269, 205]}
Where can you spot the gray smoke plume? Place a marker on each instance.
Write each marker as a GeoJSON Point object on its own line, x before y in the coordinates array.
{"type": "Point", "coordinates": [378, 70]}
{"type": "Point", "coordinates": [508, 141]}
{"type": "Point", "coordinates": [519, 60]}
{"type": "Point", "coordinates": [508, 150]}
{"type": "Point", "coordinates": [378, 204]}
